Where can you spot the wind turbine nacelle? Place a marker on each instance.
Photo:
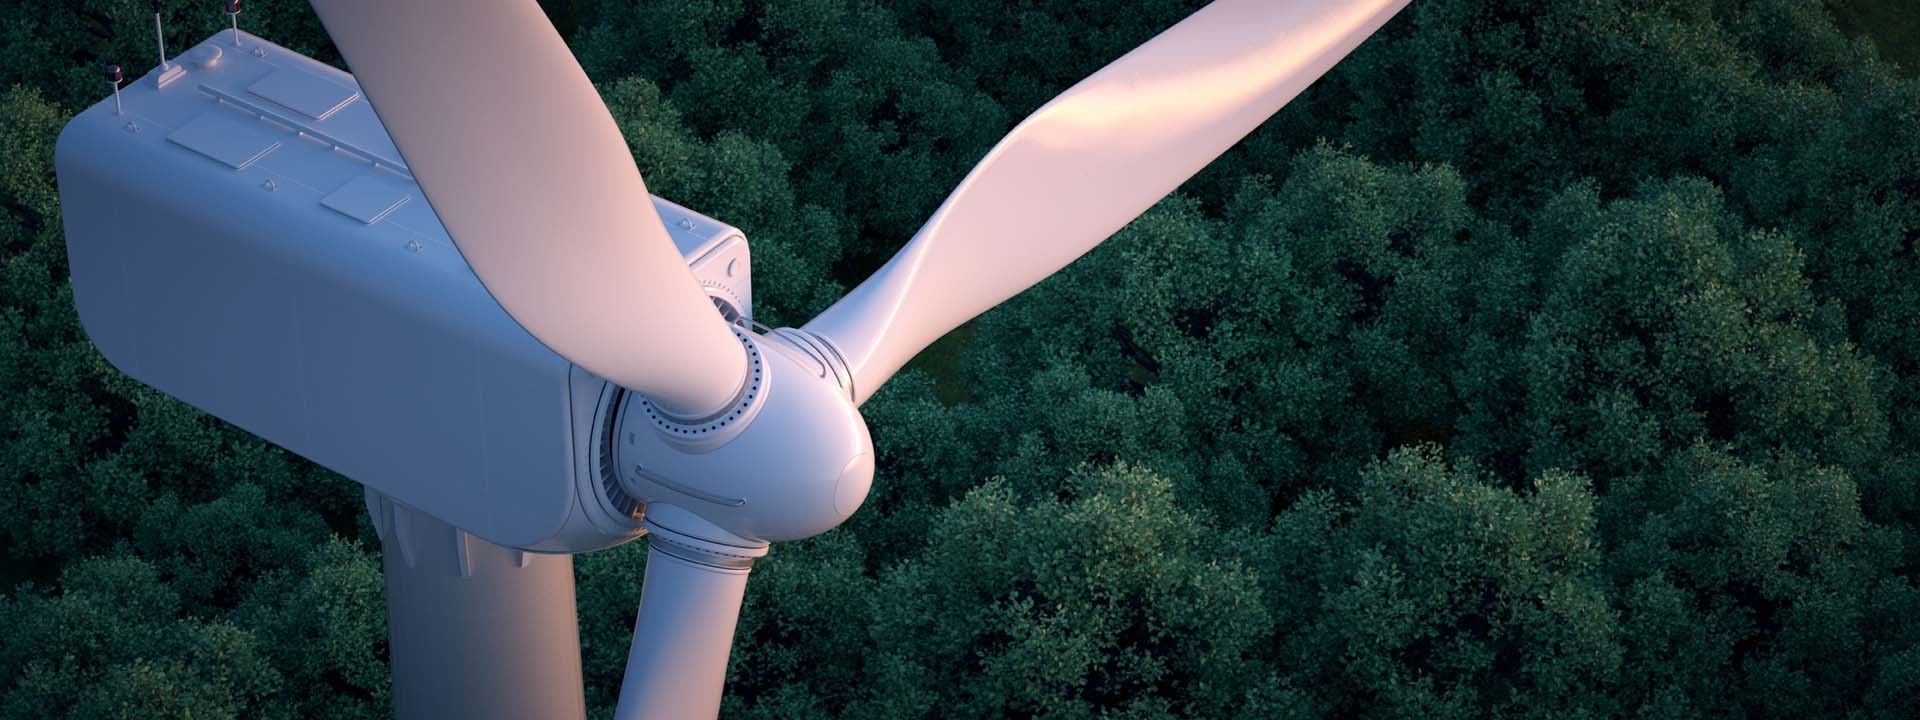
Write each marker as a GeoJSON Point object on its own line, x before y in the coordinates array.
{"type": "Point", "coordinates": [244, 236]}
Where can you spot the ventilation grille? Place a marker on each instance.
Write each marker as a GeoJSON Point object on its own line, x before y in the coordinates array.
{"type": "Point", "coordinates": [617, 498]}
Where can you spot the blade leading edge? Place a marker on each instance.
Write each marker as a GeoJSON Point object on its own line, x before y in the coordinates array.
{"type": "Point", "coordinates": [1087, 163]}
{"type": "Point", "coordinates": [530, 176]}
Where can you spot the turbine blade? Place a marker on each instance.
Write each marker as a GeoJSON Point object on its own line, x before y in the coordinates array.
{"type": "Point", "coordinates": [1087, 163]}
{"type": "Point", "coordinates": [519, 157]}
{"type": "Point", "coordinates": [682, 636]}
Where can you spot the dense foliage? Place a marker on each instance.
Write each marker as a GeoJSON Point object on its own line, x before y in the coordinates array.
{"type": "Point", "coordinates": [1550, 358]}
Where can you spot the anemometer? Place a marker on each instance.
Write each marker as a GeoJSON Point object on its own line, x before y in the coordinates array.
{"type": "Point", "coordinates": [443, 277]}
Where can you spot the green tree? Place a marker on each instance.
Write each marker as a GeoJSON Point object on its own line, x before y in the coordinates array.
{"type": "Point", "coordinates": [1437, 591]}
{"type": "Point", "coordinates": [1113, 601]}
{"type": "Point", "coordinates": [1670, 323]}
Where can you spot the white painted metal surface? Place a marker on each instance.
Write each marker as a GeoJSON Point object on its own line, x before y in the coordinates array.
{"type": "Point", "coordinates": [476, 631]}
{"type": "Point", "coordinates": [284, 273]}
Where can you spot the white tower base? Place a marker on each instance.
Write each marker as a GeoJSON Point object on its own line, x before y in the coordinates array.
{"type": "Point", "coordinates": [476, 631]}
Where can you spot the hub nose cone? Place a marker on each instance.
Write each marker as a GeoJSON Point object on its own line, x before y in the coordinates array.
{"type": "Point", "coordinates": [855, 480]}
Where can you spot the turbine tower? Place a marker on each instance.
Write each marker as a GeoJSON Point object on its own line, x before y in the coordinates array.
{"type": "Point", "coordinates": [443, 277]}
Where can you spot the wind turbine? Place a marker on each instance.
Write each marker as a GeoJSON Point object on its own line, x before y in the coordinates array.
{"type": "Point", "coordinates": [529, 363]}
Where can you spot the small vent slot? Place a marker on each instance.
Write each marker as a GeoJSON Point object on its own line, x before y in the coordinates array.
{"type": "Point", "coordinates": [617, 498]}
{"type": "Point", "coordinates": [727, 310]}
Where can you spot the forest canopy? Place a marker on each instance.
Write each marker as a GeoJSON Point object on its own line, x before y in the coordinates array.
{"type": "Point", "coordinates": [1548, 358]}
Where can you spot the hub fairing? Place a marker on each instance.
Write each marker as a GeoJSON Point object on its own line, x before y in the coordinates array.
{"type": "Point", "coordinates": [796, 464]}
